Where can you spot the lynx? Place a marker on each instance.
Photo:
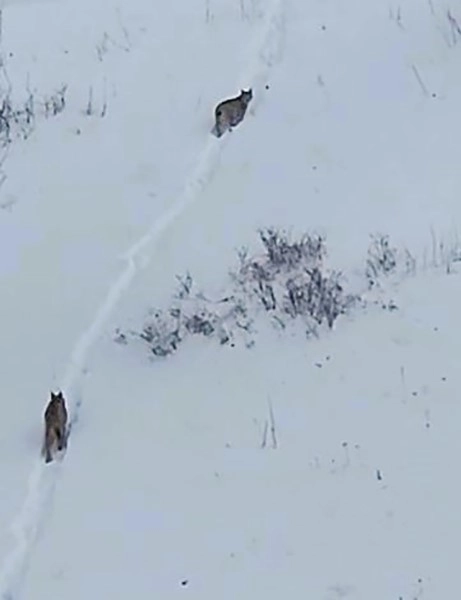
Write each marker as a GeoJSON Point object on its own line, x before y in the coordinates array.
{"type": "Point", "coordinates": [55, 425]}
{"type": "Point", "coordinates": [230, 113]}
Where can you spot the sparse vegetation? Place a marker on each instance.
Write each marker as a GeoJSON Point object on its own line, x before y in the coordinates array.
{"type": "Point", "coordinates": [287, 282]}
{"type": "Point", "coordinates": [18, 120]}
{"type": "Point", "coordinates": [381, 259]}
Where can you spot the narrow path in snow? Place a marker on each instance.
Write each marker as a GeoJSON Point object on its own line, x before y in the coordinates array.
{"type": "Point", "coordinates": [42, 481]}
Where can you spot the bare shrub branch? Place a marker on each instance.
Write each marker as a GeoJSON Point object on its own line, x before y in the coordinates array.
{"type": "Point", "coordinates": [288, 281]}
{"type": "Point", "coordinates": [381, 259]}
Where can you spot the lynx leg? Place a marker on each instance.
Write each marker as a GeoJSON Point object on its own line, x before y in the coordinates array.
{"type": "Point", "coordinates": [218, 130]}
{"type": "Point", "coordinates": [61, 437]}
{"type": "Point", "coordinates": [43, 452]}
{"type": "Point", "coordinates": [49, 439]}
{"type": "Point", "coordinates": [220, 123]}
{"type": "Point", "coordinates": [48, 457]}
{"type": "Point", "coordinates": [58, 435]}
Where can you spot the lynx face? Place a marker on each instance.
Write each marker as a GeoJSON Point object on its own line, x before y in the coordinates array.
{"type": "Point", "coordinates": [230, 113]}
{"type": "Point", "coordinates": [55, 425]}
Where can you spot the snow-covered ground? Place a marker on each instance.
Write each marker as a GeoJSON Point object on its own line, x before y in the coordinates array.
{"type": "Point", "coordinates": [165, 489]}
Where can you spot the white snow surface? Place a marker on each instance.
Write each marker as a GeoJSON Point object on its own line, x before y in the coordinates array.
{"type": "Point", "coordinates": [167, 489]}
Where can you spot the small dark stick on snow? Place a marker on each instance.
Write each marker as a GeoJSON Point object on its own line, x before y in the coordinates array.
{"type": "Point", "coordinates": [346, 453]}
{"type": "Point", "coordinates": [272, 423]}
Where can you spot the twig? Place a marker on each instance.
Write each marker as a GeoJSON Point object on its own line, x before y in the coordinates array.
{"type": "Point", "coordinates": [419, 80]}
{"type": "Point", "coordinates": [455, 28]}
{"type": "Point", "coordinates": [117, 44]}
{"type": "Point", "coordinates": [89, 107]}
{"type": "Point", "coordinates": [272, 421]}
{"type": "Point", "coordinates": [264, 440]}
{"type": "Point", "coordinates": [242, 10]}
{"type": "Point", "coordinates": [404, 385]}
{"type": "Point", "coordinates": [434, 248]}
{"type": "Point", "coordinates": [397, 18]}
{"type": "Point", "coordinates": [104, 104]}
{"type": "Point", "coordinates": [123, 28]}
{"type": "Point", "coordinates": [347, 461]}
